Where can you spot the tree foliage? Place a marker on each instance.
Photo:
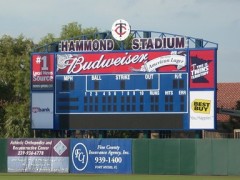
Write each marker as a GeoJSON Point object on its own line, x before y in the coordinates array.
{"type": "Point", "coordinates": [234, 121]}
{"type": "Point", "coordinates": [15, 78]}
{"type": "Point", "coordinates": [74, 29]}
{"type": "Point", "coordinates": [238, 105]}
{"type": "Point", "coordinates": [15, 86]}
{"type": "Point", "coordinates": [49, 38]}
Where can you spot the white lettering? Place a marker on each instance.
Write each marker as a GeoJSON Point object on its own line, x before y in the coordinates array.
{"type": "Point", "coordinates": [76, 64]}
{"type": "Point", "coordinates": [68, 78]}
{"type": "Point", "coordinates": [123, 77]}
{"type": "Point", "coordinates": [148, 76]}
{"type": "Point", "coordinates": [168, 92]}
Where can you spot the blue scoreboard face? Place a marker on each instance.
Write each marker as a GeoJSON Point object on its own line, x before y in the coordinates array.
{"type": "Point", "coordinates": [132, 101]}
{"type": "Point", "coordinates": [148, 90]}
{"type": "Point", "coordinates": [142, 93]}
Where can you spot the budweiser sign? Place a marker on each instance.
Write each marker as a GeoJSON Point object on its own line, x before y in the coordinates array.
{"type": "Point", "coordinates": [120, 62]}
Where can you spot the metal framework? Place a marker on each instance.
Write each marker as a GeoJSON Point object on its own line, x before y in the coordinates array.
{"type": "Point", "coordinates": [192, 42]}
{"type": "Point", "coordinates": [230, 112]}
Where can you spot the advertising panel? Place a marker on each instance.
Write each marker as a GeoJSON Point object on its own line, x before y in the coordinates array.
{"type": "Point", "coordinates": [42, 71]}
{"type": "Point", "coordinates": [202, 110]}
{"type": "Point", "coordinates": [42, 110]}
{"type": "Point", "coordinates": [202, 68]}
{"type": "Point", "coordinates": [38, 155]}
{"type": "Point", "coordinates": [121, 62]}
{"type": "Point", "coordinates": [101, 156]}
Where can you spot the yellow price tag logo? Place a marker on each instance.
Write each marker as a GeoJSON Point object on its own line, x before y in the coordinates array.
{"type": "Point", "coordinates": [201, 106]}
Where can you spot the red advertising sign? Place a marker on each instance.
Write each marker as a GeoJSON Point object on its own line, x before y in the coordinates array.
{"type": "Point", "coordinates": [202, 63]}
{"type": "Point", "coordinates": [42, 71]}
{"type": "Point", "coordinates": [121, 62]}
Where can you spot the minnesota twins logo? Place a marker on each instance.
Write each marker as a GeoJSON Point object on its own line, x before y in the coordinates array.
{"type": "Point", "coordinates": [120, 30]}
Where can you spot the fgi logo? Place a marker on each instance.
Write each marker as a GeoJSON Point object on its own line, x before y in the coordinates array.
{"type": "Point", "coordinates": [120, 29]}
{"type": "Point", "coordinates": [79, 156]}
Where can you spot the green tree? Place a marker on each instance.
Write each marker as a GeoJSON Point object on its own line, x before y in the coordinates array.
{"type": "Point", "coordinates": [238, 106]}
{"type": "Point", "coordinates": [70, 31]}
{"type": "Point", "coordinates": [74, 29]}
{"type": "Point", "coordinates": [15, 86]}
{"type": "Point", "coordinates": [234, 121]}
{"type": "Point", "coordinates": [48, 39]}
{"type": "Point", "coordinates": [15, 78]}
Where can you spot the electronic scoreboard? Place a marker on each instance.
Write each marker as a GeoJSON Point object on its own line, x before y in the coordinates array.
{"type": "Point", "coordinates": [116, 99]}
{"type": "Point", "coordinates": [88, 85]}
{"type": "Point", "coordinates": [122, 93]}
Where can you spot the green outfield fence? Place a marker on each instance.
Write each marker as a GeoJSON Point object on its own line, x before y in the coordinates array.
{"type": "Point", "coordinates": [187, 156]}
{"type": "Point", "coordinates": [3, 155]}
{"type": "Point", "coordinates": [176, 156]}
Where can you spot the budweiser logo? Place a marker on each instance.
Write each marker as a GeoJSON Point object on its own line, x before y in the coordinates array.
{"type": "Point", "coordinates": [73, 64]}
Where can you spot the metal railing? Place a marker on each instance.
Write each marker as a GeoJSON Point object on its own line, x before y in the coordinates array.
{"type": "Point", "coordinates": [215, 135]}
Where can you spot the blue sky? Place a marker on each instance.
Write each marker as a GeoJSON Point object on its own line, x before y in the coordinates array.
{"type": "Point", "coordinates": [213, 20]}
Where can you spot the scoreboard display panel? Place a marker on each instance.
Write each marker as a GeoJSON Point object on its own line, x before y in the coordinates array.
{"type": "Point", "coordinates": [122, 93]}
{"type": "Point", "coordinates": [92, 88]}
{"type": "Point", "coordinates": [122, 90]}
{"type": "Point", "coordinates": [120, 97]}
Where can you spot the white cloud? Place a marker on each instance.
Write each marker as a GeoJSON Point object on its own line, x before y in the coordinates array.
{"type": "Point", "coordinates": [213, 20]}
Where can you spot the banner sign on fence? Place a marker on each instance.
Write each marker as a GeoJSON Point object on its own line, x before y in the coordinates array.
{"type": "Point", "coordinates": [38, 155]}
{"type": "Point", "coordinates": [101, 156]}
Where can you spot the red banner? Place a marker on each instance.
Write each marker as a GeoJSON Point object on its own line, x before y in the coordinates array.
{"type": "Point", "coordinates": [202, 64]}
{"type": "Point", "coordinates": [42, 71]}
{"type": "Point", "coordinates": [121, 62]}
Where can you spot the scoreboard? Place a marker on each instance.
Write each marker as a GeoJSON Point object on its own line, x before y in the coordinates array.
{"type": "Point", "coordinates": [122, 93]}
{"type": "Point", "coordinates": [171, 88]}
{"type": "Point", "coordinates": [125, 101]}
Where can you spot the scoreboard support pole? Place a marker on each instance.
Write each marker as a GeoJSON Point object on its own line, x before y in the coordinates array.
{"type": "Point", "coordinates": [146, 134]}
{"type": "Point", "coordinates": [198, 134]}
{"type": "Point", "coordinates": [102, 134]}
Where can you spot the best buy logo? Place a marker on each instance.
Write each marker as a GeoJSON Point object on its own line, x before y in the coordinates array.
{"type": "Point", "coordinates": [201, 106]}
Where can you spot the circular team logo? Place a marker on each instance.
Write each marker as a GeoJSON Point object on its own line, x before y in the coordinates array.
{"type": "Point", "coordinates": [80, 156]}
{"type": "Point", "coordinates": [120, 30]}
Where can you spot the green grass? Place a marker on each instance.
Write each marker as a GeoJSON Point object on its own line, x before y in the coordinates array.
{"type": "Point", "coordinates": [27, 176]}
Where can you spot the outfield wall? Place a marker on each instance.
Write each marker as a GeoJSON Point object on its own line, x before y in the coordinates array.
{"type": "Point", "coordinates": [122, 156]}
{"type": "Point", "coordinates": [3, 155]}
{"type": "Point", "coordinates": [187, 156]}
